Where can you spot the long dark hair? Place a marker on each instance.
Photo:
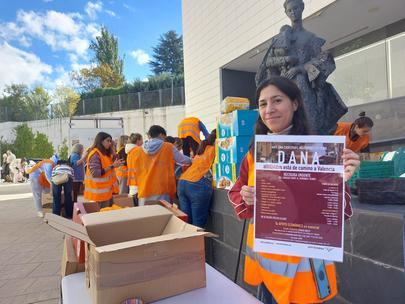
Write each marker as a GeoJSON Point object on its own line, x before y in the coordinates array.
{"type": "Point", "coordinates": [363, 121]}
{"type": "Point", "coordinates": [209, 141]}
{"type": "Point", "coordinates": [300, 124]}
{"type": "Point", "coordinates": [98, 143]}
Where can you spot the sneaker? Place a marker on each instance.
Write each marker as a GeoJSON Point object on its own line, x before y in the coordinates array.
{"type": "Point", "coordinates": [40, 214]}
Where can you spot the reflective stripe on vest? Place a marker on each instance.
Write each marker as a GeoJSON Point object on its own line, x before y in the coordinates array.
{"type": "Point", "coordinates": [280, 268]}
{"type": "Point", "coordinates": [189, 126]}
{"type": "Point", "coordinates": [289, 279]}
{"type": "Point", "coordinates": [99, 189]}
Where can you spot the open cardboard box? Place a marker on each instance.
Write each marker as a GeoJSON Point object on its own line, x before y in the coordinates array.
{"type": "Point", "coordinates": [81, 208]}
{"type": "Point", "coordinates": [144, 252]}
{"type": "Point", "coordinates": [70, 263]}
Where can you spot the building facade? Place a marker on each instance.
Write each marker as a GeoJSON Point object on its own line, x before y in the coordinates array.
{"type": "Point", "coordinates": [225, 42]}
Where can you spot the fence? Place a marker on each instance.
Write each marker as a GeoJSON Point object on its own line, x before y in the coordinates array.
{"type": "Point", "coordinates": [123, 102]}
{"type": "Point", "coordinates": [132, 101]}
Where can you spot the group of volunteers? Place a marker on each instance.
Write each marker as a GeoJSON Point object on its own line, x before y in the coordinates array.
{"type": "Point", "coordinates": [161, 168]}
{"type": "Point", "coordinates": [179, 168]}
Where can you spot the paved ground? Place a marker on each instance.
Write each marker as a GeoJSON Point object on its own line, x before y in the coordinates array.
{"type": "Point", "coordinates": [30, 250]}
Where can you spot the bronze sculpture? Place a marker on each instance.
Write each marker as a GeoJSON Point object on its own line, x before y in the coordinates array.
{"type": "Point", "coordinates": [297, 54]}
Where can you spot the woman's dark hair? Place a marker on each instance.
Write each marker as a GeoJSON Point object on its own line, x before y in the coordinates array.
{"type": "Point", "coordinates": [170, 139]}
{"type": "Point", "coordinates": [300, 124]}
{"type": "Point", "coordinates": [209, 141]}
{"type": "Point", "coordinates": [99, 145]}
{"type": "Point", "coordinates": [363, 121]}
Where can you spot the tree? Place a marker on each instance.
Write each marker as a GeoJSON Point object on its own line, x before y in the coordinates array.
{"type": "Point", "coordinates": [37, 103]}
{"type": "Point", "coordinates": [168, 54]}
{"type": "Point", "coordinates": [108, 69]}
{"type": "Point", "coordinates": [22, 104]}
{"type": "Point", "coordinates": [27, 144]}
{"type": "Point", "coordinates": [24, 141]}
{"type": "Point", "coordinates": [42, 147]}
{"type": "Point", "coordinates": [63, 150]}
{"type": "Point", "coordinates": [106, 51]}
{"type": "Point", "coordinates": [66, 101]}
{"type": "Point", "coordinates": [14, 102]}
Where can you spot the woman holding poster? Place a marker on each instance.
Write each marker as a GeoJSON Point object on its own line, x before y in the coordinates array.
{"type": "Point", "coordinates": [281, 279]}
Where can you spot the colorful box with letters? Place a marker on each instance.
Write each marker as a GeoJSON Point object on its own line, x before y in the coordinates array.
{"type": "Point", "coordinates": [227, 174]}
{"type": "Point", "coordinates": [231, 149]}
{"type": "Point", "coordinates": [236, 123]}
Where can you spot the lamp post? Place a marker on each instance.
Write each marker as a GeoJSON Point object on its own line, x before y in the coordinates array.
{"type": "Point", "coordinates": [171, 99]}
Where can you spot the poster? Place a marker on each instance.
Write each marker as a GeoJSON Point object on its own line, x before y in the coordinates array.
{"type": "Point", "coordinates": [299, 196]}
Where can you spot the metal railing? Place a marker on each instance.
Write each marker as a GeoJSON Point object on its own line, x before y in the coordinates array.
{"type": "Point", "coordinates": [124, 102]}
{"type": "Point", "coordinates": [132, 101]}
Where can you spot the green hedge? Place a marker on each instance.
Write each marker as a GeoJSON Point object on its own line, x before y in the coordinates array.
{"type": "Point", "coordinates": [162, 81]}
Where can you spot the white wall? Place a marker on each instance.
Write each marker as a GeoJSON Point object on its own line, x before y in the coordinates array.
{"type": "Point", "coordinates": [216, 32]}
{"type": "Point", "coordinates": [134, 121]}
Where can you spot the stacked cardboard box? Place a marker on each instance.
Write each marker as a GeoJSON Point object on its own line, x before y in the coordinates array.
{"type": "Point", "coordinates": [234, 133]}
{"type": "Point", "coordinates": [144, 252]}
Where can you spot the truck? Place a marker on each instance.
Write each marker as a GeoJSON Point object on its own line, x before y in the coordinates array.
{"type": "Point", "coordinates": [83, 130]}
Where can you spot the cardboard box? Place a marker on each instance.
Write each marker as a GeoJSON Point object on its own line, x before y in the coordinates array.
{"type": "Point", "coordinates": [229, 104]}
{"type": "Point", "coordinates": [81, 208]}
{"type": "Point", "coordinates": [171, 207]}
{"type": "Point", "coordinates": [231, 149]}
{"type": "Point", "coordinates": [70, 263]}
{"type": "Point", "coordinates": [143, 252]}
{"type": "Point", "coordinates": [237, 123]}
{"type": "Point", "coordinates": [227, 174]}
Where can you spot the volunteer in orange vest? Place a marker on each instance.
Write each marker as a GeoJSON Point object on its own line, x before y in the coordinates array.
{"type": "Point", "coordinates": [40, 178]}
{"type": "Point", "coordinates": [122, 171]}
{"type": "Point", "coordinates": [194, 188]}
{"type": "Point", "coordinates": [357, 133]}
{"type": "Point", "coordinates": [135, 140]}
{"type": "Point", "coordinates": [100, 181]}
{"type": "Point", "coordinates": [189, 131]}
{"type": "Point", "coordinates": [281, 279]}
{"type": "Point", "coordinates": [152, 167]}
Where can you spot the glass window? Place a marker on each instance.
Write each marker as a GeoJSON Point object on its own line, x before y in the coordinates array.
{"type": "Point", "coordinates": [361, 76]}
{"type": "Point", "coordinates": [397, 56]}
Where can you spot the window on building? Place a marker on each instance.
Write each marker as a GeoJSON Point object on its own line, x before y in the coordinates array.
{"type": "Point", "coordinates": [361, 76]}
{"type": "Point", "coordinates": [397, 65]}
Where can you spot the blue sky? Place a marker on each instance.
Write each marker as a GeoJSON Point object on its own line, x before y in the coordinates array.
{"type": "Point", "coordinates": [42, 41]}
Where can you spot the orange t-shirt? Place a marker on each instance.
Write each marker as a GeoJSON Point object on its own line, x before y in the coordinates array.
{"type": "Point", "coordinates": [200, 166]}
{"type": "Point", "coordinates": [343, 128]}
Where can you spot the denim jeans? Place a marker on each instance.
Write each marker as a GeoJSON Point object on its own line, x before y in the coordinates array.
{"type": "Point", "coordinates": [195, 200]}
{"type": "Point", "coordinates": [264, 295]}
{"type": "Point", "coordinates": [57, 199]}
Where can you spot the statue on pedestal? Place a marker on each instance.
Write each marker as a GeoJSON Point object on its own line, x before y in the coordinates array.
{"type": "Point", "coordinates": [297, 54]}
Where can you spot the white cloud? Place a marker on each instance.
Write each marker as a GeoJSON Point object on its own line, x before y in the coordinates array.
{"type": "Point", "coordinates": [111, 13]}
{"type": "Point", "coordinates": [93, 29]}
{"type": "Point", "coordinates": [21, 67]}
{"type": "Point", "coordinates": [47, 1]}
{"type": "Point", "coordinates": [92, 8]}
{"type": "Point", "coordinates": [61, 23]}
{"type": "Point", "coordinates": [60, 31]}
{"type": "Point", "coordinates": [128, 7]}
{"type": "Point", "coordinates": [141, 56]}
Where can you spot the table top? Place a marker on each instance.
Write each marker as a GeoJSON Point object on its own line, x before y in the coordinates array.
{"type": "Point", "coordinates": [219, 289]}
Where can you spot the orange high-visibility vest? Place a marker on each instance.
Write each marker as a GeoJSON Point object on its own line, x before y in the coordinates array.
{"type": "Point", "coordinates": [121, 171]}
{"type": "Point", "coordinates": [343, 128]}
{"type": "Point", "coordinates": [101, 188]}
{"type": "Point", "coordinates": [131, 167]}
{"type": "Point", "coordinates": [201, 164]}
{"type": "Point", "coordinates": [42, 177]}
{"type": "Point", "coordinates": [189, 126]}
{"type": "Point", "coordinates": [288, 278]}
{"type": "Point", "coordinates": [154, 174]}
